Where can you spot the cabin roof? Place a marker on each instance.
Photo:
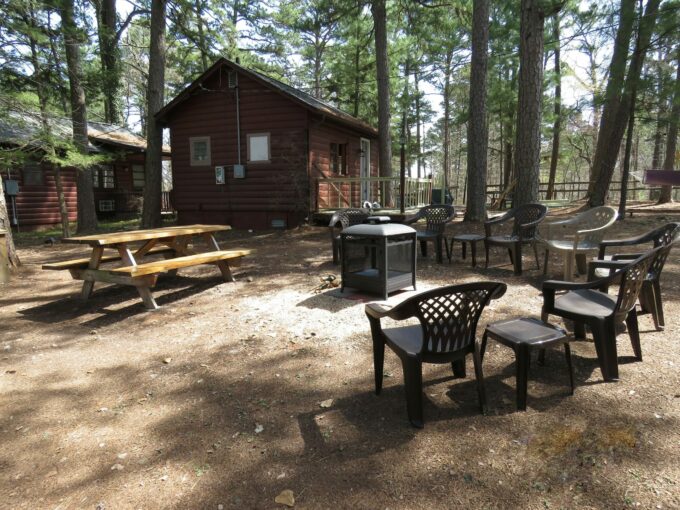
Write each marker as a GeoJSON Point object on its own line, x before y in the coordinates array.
{"type": "Point", "coordinates": [306, 100]}
{"type": "Point", "coordinates": [24, 128]}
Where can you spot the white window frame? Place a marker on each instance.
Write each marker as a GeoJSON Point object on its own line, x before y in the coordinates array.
{"type": "Point", "coordinates": [193, 160]}
{"type": "Point", "coordinates": [269, 153]}
{"type": "Point", "coordinates": [134, 184]}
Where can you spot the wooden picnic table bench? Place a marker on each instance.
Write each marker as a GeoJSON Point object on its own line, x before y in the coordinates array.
{"type": "Point", "coordinates": [171, 242]}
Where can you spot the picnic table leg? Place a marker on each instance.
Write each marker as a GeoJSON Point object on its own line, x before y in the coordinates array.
{"type": "Point", "coordinates": [180, 243]}
{"type": "Point", "coordinates": [223, 265]}
{"type": "Point", "coordinates": [95, 260]}
{"type": "Point", "coordinates": [144, 291]}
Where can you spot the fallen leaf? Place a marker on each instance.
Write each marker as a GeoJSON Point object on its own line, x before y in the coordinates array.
{"type": "Point", "coordinates": [167, 360]}
{"type": "Point", "coordinates": [258, 428]}
{"type": "Point", "coordinates": [117, 467]}
{"type": "Point", "coordinates": [285, 498]}
{"type": "Point", "coordinates": [326, 403]}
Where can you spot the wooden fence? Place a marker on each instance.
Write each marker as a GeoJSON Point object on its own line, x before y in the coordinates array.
{"type": "Point", "coordinates": [341, 192]}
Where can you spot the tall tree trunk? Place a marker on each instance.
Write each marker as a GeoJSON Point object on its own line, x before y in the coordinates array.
{"type": "Point", "coordinates": [87, 217]}
{"type": "Point", "coordinates": [39, 81]}
{"type": "Point", "coordinates": [419, 156]}
{"type": "Point", "coordinates": [626, 163]}
{"type": "Point", "coordinates": [7, 226]}
{"type": "Point", "coordinates": [151, 214]}
{"type": "Point", "coordinates": [528, 145]}
{"type": "Point", "coordinates": [672, 137]}
{"type": "Point", "coordinates": [557, 126]}
{"type": "Point", "coordinates": [478, 135]}
{"type": "Point", "coordinates": [110, 59]}
{"type": "Point", "coordinates": [613, 91]}
{"type": "Point", "coordinates": [610, 136]}
{"type": "Point", "coordinates": [56, 61]}
{"type": "Point", "coordinates": [446, 163]}
{"type": "Point", "coordinates": [201, 35]}
{"type": "Point", "coordinates": [378, 10]}
{"type": "Point", "coordinates": [660, 113]}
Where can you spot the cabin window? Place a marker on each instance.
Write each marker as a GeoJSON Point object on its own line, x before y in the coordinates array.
{"type": "Point", "coordinates": [258, 147]}
{"type": "Point", "coordinates": [339, 158]}
{"type": "Point", "coordinates": [138, 176]}
{"type": "Point", "coordinates": [33, 174]}
{"type": "Point", "coordinates": [200, 150]}
{"type": "Point", "coordinates": [103, 177]}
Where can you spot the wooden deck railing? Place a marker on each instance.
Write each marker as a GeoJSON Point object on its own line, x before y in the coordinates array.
{"type": "Point", "coordinates": [342, 192]}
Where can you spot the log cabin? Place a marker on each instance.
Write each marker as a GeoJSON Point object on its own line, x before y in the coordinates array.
{"type": "Point", "coordinates": [30, 186]}
{"type": "Point", "coordinates": [248, 150]}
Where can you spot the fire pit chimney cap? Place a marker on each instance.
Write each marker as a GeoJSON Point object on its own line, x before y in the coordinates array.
{"type": "Point", "coordinates": [380, 230]}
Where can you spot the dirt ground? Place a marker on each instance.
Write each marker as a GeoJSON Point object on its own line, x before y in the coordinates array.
{"type": "Point", "coordinates": [234, 392]}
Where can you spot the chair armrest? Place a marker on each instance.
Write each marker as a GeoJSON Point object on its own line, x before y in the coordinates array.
{"type": "Point", "coordinates": [411, 219]}
{"type": "Point", "coordinates": [604, 264]}
{"type": "Point", "coordinates": [377, 311]}
{"type": "Point", "coordinates": [554, 285]}
{"type": "Point", "coordinates": [626, 256]}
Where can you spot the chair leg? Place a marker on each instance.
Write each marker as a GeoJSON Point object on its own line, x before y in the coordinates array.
{"type": "Point", "coordinates": [463, 249]}
{"type": "Point", "coordinates": [511, 255]}
{"type": "Point", "coordinates": [378, 363]}
{"type": "Point", "coordinates": [650, 299]}
{"type": "Point", "coordinates": [423, 248]}
{"type": "Point", "coordinates": [581, 265]}
{"type": "Point", "coordinates": [568, 266]}
{"type": "Point", "coordinates": [522, 361]}
{"type": "Point", "coordinates": [567, 354]}
{"type": "Point", "coordinates": [579, 331]}
{"type": "Point", "coordinates": [336, 253]}
{"type": "Point", "coordinates": [545, 262]}
{"type": "Point", "coordinates": [518, 258]}
{"type": "Point", "coordinates": [482, 347]}
{"type": "Point", "coordinates": [479, 376]}
{"type": "Point", "coordinates": [604, 335]}
{"type": "Point", "coordinates": [438, 243]}
{"type": "Point", "coordinates": [458, 368]}
{"type": "Point", "coordinates": [486, 249]}
{"type": "Point", "coordinates": [538, 264]}
{"type": "Point", "coordinates": [634, 332]}
{"type": "Point", "coordinates": [413, 381]}
{"type": "Point", "coordinates": [473, 250]}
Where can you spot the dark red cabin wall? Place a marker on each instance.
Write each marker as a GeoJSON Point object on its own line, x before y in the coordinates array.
{"type": "Point", "coordinates": [124, 194]}
{"type": "Point", "coordinates": [321, 135]}
{"type": "Point", "coordinates": [275, 190]}
{"type": "Point", "coordinates": [38, 205]}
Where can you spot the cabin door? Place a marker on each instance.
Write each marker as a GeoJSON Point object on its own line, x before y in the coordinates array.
{"type": "Point", "coordinates": [365, 170]}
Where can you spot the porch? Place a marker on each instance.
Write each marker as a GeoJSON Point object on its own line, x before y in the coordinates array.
{"type": "Point", "coordinates": [341, 192]}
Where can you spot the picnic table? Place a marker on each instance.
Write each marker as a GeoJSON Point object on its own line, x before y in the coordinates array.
{"type": "Point", "coordinates": [133, 247]}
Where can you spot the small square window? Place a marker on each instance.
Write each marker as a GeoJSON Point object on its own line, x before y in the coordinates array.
{"type": "Point", "coordinates": [258, 147]}
{"type": "Point", "coordinates": [33, 174]}
{"type": "Point", "coordinates": [200, 150]}
{"type": "Point", "coordinates": [107, 179]}
{"type": "Point", "coordinates": [138, 176]}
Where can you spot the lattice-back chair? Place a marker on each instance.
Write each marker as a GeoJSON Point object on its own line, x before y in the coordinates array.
{"type": "Point", "coordinates": [587, 304]}
{"type": "Point", "coordinates": [448, 319]}
{"type": "Point", "coordinates": [576, 236]}
{"type": "Point", "coordinates": [436, 217]}
{"type": "Point", "coordinates": [525, 219]}
{"type": "Point", "coordinates": [341, 220]}
{"type": "Point", "coordinates": [650, 294]}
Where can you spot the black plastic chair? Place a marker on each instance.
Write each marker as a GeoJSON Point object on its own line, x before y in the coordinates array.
{"type": "Point", "coordinates": [436, 217]}
{"type": "Point", "coordinates": [446, 334]}
{"type": "Point", "coordinates": [650, 294]}
{"type": "Point", "coordinates": [340, 221]}
{"type": "Point", "coordinates": [587, 304]}
{"type": "Point", "coordinates": [525, 219]}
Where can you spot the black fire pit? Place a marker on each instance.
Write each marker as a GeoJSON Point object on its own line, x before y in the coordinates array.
{"type": "Point", "coordinates": [378, 258]}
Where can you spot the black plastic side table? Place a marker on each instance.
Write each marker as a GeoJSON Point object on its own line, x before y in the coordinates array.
{"type": "Point", "coordinates": [522, 335]}
{"type": "Point", "coordinates": [463, 239]}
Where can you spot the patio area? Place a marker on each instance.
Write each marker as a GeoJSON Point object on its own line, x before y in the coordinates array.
{"type": "Point", "coordinates": [231, 393]}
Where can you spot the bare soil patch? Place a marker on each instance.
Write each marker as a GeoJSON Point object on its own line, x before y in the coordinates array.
{"type": "Point", "coordinates": [214, 401]}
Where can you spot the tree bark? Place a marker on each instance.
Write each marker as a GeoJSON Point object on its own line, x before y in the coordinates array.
{"type": "Point", "coordinates": [110, 59]}
{"type": "Point", "coordinates": [626, 163]}
{"type": "Point", "coordinates": [151, 213]}
{"type": "Point", "coordinates": [6, 225]}
{"type": "Point", "coordinates": [87, 217]}
{"type": "Point", "coordinates": [609, 141]}
{"type": "Point", "coordinates": [478, 135]}
{"type": "Point", "coordinates": [528, 145]}
{"type": "Point", "coordinates": [38, 78]}
{"type": "Point", "coordinates": [446, 163]}
{"type": "Point", "coordinates": [672, 137]}
{"type": "Point", "coordinates": [379, 12]}
{"type": "Point", "coordinates": [419, 156]}
{"type": "Point", "coordinates": [613, 91]}
{"type": "Point", "coordinates": [557, 125]}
